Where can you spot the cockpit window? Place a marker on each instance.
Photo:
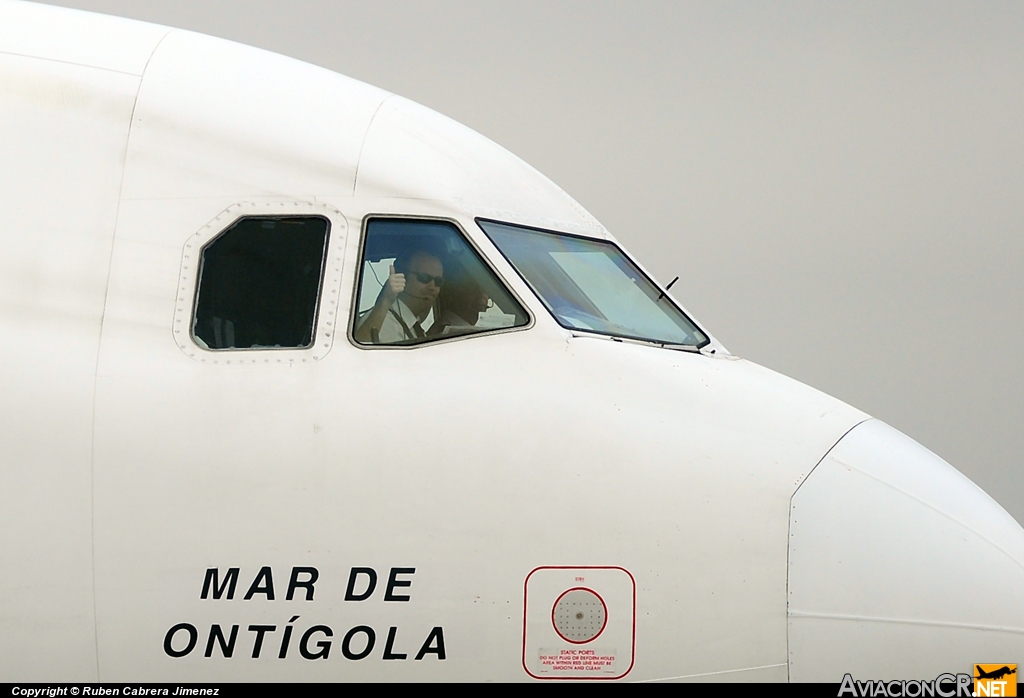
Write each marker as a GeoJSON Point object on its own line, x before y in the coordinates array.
{"type": "Point", "coordinates": [422, 281]}
{"type": "Point", "coordinates": [259, 282]}
{"type": "Point", "coordinates": [591, 285]}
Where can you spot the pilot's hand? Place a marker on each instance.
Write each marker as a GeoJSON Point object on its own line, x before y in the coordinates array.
{"type": "Point", "coordinates": [394, 285]}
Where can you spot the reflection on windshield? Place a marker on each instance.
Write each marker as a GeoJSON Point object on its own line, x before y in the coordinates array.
{"type": "Point", "coordinates": [590, 285]}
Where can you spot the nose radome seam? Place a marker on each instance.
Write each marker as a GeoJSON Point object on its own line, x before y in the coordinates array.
{"type": "Point", "coordinates": [789, 532]}
{"type": "Point", "coordinates": [824, 456]}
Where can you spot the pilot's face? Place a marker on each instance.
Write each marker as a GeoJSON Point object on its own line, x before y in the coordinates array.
{"type": "Point", "coordinates": [422, 280]}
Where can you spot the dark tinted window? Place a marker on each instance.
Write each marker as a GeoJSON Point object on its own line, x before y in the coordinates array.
{"type": "Point", "coordinates": [259, 282]}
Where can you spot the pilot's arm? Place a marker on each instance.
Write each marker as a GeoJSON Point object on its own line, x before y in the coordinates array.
{"type": "Point", "coordinates": [371, 324]}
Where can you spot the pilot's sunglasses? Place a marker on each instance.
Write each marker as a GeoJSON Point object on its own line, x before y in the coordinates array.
{"type": "Point", "coordinates": [425, 278]}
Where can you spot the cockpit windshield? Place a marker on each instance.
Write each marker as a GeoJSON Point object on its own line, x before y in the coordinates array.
{"type": "Point", "coordinates": [591, 285]}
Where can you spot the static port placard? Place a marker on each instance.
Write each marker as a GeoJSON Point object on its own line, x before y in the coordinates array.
{"type": "Point", "coordinates": [579, 622]}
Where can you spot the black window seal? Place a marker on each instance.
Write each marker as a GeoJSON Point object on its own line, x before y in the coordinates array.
{"type": "Point", "coordinates": [319, 293]}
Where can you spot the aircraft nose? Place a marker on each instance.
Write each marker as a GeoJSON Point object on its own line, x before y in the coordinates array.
{"type": "Point", "coordinates": [899, 566]}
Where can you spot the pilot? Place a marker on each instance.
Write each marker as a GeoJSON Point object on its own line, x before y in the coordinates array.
{"type": "Point", "coordinates": [404, 309]}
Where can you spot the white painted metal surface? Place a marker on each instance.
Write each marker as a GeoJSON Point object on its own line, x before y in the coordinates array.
{"type": "Point", "coordinates": [424, 487]}
{"type": "Point", "coordinates": [890, 546]}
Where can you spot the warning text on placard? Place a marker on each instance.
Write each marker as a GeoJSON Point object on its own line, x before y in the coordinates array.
{"type": "Point", "coordinates": [576, 661]}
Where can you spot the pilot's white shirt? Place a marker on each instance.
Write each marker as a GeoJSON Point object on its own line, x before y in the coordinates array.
{"type": "Point", "coordinates": [391, 329]}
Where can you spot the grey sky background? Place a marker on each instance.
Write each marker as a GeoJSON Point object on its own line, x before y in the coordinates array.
{"type": "Point", "coordinates": [839, 185]}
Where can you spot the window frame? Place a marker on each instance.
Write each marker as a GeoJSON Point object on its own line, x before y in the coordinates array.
{"type": "Point", "coordinates": [325, 315]}
{"type": "Point", "coordinates": [440, 339]}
